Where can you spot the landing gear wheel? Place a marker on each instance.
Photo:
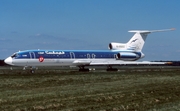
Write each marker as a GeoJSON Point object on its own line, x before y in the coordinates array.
{"type": "Point", "coordinates": [83, 70]}
{"type": "Point", "coordinates": [112, 69]}
{"type": "Point", "coordinates": [32, 71]}
{"type": "Point", "coordinates": [109, 68]}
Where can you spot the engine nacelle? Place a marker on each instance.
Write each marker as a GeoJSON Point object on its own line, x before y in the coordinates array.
{"type": "Point", "coordinates": [128, 56]}
{"type": "Point", "coordinates": [116, 46]}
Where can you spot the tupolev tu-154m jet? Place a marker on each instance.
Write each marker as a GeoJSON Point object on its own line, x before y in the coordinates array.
{"type": "Point", "coordinates": [118, 54]}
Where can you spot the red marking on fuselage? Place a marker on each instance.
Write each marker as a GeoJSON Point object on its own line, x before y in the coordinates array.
{"type": "Point", "coordinates": [41, 59]}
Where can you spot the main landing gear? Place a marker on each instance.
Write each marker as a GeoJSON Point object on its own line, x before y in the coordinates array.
{"type": "Point", "coordinates": [82, 69]}
{"type": "Point", "coordinates": [109, 68]}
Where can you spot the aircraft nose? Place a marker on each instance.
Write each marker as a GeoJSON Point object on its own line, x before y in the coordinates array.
{"type": "Point", "coordinates": [8, 60]}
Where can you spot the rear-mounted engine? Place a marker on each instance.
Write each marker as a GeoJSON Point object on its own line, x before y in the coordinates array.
{"type": "Point", "coordinates": [128, 56]}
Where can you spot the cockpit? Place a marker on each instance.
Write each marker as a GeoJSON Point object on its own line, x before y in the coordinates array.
{"type": "Point", "coordinates": [14, 55]}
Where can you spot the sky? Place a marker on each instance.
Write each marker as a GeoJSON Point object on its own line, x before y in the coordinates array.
{"type": "Point", "coordinates": [89, 24]}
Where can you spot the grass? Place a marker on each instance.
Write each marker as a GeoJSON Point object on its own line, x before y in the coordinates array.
{"type": "Point", "coordinates": [154, 90]}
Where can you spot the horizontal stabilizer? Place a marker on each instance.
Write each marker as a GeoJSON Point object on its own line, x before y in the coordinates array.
{"type": "Point", "coordinates": [150, 31]}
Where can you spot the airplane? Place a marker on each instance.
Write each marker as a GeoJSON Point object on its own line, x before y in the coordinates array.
{"type": "Point", "coordinates": [117, 55]}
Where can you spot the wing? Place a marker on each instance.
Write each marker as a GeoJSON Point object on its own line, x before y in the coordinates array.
{"type": "Point", "coordinates": [116, 63]}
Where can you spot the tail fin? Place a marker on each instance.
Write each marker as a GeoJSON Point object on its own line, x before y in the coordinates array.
{"type": "Point", "coordinates": [137, 41]}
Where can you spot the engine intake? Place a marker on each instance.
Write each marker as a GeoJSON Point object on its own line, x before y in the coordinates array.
{"type": "Point", "coordinates": [116, 46]}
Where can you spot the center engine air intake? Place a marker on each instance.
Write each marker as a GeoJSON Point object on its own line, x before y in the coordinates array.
{"type": "Point", "coordinates": [116, 46]}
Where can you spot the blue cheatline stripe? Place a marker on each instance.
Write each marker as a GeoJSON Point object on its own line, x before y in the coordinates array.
{"type": "Point", "coordinates": [78, 54]}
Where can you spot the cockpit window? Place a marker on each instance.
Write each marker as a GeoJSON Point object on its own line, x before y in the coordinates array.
{"type": "Point", "coordinates": [14, 55]}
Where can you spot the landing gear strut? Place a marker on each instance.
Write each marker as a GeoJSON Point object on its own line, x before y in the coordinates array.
{"type": "Point", "coordinates": [82, 69]}
{"type": "Point", "coordinates": [111, 69]}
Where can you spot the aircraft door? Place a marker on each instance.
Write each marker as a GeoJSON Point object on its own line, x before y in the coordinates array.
{"type": "Point", "coordinates": [32, 55]}
{"type": "Point", "coordinates": [88, 56]}
{"type": "Point", "coordinates": [72, 55]}
{"type": "Point", "coordinates": [93, 56]}
{"type": "Point", "coordinates": [115, 56]}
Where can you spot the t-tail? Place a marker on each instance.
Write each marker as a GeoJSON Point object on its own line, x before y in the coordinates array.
{"type": "Point", "coordinates": [136, 43]}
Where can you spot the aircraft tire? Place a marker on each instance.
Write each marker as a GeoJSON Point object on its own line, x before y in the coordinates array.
{"type": "Point", "coordinates": [83, 70]}
{"type": "Point", "coordinates": [32, 71]}
{"type": "Point", "coordinates": [112, 69]}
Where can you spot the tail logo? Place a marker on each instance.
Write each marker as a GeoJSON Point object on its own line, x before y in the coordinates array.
{"type": "Point", "coordinates": [134, 40]}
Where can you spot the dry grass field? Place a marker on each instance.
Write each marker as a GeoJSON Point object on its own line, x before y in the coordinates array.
{"type": "Point", "coordinates": [128, 90]}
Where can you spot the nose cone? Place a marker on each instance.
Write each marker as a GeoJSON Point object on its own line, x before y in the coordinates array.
{"type": "Point", "coordinates": [8, 61]}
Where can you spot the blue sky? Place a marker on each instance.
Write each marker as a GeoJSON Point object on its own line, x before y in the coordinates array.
{"type": "Point", "coordinates": [89, 24]}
